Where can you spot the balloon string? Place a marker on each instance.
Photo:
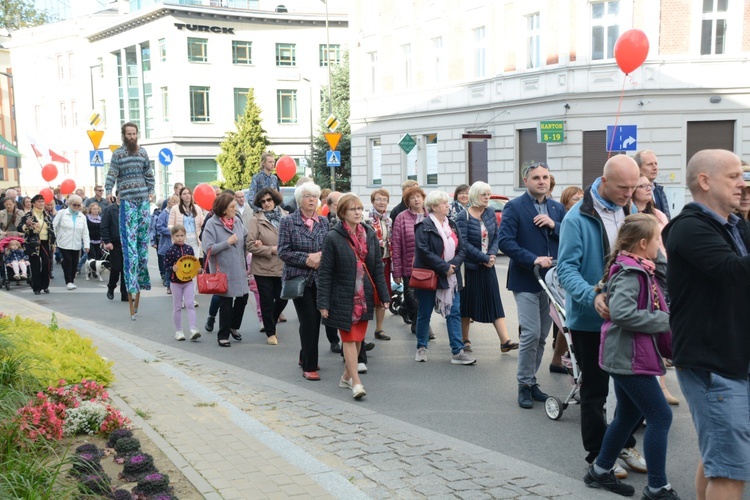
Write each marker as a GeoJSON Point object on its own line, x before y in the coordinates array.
{"type": "Point", "coordinates": [617, 117]}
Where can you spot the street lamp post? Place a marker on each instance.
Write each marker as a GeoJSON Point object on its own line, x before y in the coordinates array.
{"type": "Point", "coordinates": [312, 140]}
{"type": "Point", "coordinates": [330, 100]}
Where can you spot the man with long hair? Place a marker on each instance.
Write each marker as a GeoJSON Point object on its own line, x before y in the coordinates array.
{"type": "Point", "coordinates": [131, 170]}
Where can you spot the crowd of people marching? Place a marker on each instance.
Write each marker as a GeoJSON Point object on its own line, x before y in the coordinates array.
{"type": "Point", "coordinates": [631, 311]}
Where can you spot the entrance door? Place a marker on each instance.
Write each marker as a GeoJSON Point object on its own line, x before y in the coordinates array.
{"type": "Point", "coordinates": [477, 161]}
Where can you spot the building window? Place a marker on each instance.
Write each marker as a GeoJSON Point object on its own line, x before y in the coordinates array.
{"type": "Point", "coordinates": [286, 54]}
{"type": "Point", "coordinates": [133, 86]}
{"type": "Point", "coordinates": [200, 170]}
{"type": "Point", "coordinates": [437, 57]}
{"type": "Point", "coordinates": [533, 40]}
{"type": "Point", "coordinates": [373, 58]}
{"type": "Point", "coordinates": [63, 115]}
{"type": "Point", "coordinates": [529, 151]}
{"type": "Point", "coordinates": [604, 29]}
{"type": "Point", "coordinates": [286, 105]}
{"type": "Point", "coordinates": [103, 112]}
{"type": "Point", "coordinates": [242, 52]}
{"type": "Point", "coordinates": [71, 66]}
{"type": "Point", "coordinates": [334, 54]}
{"type": "Point", "coordinates": [406, 56]}
{"type": "Point", "coordinates": [60, 67]}
{"type": "Point", "coordinates": [73, 114]}
{"type": "Point", "coordinates": [714, 27]}
{"type": "Point", "coordinates": [199, 111]}
{"type": "Point", "coordinates": [197, 49]}
{"type": "Point", "coordinates": [712, 134]}
{"type": "Point", "coordinates": [165, 104]}
{"type": "Point", "coordinates": [431, 159]}
{"type": "Point", "coordinates": [376, 162]}
{"type": "Point", "coordinates": [163, 49]}
{"type": "Point", "coordinates": [480, 49]}
{"type": "Point", "coordinates": [240, 102]}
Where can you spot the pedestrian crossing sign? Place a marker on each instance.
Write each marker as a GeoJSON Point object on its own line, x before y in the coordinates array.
{"type": "Point", "coordinates": [333, 158]}
{"type": "Point", "coordinates": [96, 158]}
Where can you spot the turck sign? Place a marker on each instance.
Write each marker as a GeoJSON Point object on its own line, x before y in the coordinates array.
{"type": "Point", "coordinates": [206, 29]}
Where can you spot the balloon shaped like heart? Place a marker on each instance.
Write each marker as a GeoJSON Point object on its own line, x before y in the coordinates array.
{"type": "Point", "coordinates": [631, 49]}
{"type": "Point", "coordinates": [204, 196]}
{"type": "Point", "coordinates": [47, 194]}
{"type": "Point", "coordinates": [286, 168]}
{"type": "Point", "coordinates": [49, 172]}
{"type": "Point", "coordinates": [68, 186]}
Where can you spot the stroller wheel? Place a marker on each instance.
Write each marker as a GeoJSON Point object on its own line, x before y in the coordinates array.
{"type": "Point", "coordinates": [553, 407]}
{"type": "Point", "coordinates": [395, 304]}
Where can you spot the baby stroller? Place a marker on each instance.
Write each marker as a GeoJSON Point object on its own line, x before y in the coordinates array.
{"type": "Point", "coordinates": [7, 275]}
{"type": "Point", "coordinates": [397, 299]}
{"type": "Point", "coordinates": [551, 286]}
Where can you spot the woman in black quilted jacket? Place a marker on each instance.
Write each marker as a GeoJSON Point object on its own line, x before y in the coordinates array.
{"type": "Point", "coordinates": [351, 269]}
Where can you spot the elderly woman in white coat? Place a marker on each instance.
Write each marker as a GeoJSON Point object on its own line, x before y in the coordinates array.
{"type": "Point", "coordinates": [224, 237]}
{"type": "Point", "coordinates": [72, 234]}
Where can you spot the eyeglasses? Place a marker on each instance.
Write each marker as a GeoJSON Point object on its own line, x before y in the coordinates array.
{"type": "Point", "coordinates": [266, 200]}
{"type": "Point", "coordinates": [645, 186]}
{"type": "Point", "coordinates": [75, 205]}
{"type": "Point", "coordinates": [380, 199]}
{"type": "Point", "coordinates": [535, 165]}
{"type": "Point", "coordinates": [308, 196]}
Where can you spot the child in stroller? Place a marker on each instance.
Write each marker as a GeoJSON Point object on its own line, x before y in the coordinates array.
{"type": "Point", "coordinates": [15, 263]}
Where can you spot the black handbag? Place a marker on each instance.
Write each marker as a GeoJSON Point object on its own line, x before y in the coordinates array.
{"type": "Point", "coordinates": [293, 288]}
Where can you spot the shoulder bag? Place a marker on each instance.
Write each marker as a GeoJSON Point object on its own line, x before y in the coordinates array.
{"type": "Point", "coordinates": [208, 283]}
{"type": "Point", "coordinates": [293, 288]}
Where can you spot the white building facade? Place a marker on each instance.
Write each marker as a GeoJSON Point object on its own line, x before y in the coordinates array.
{"type": "Point", "coordinates": [471, 82]}
{"type": "Point", "coordinates": [182, 73]}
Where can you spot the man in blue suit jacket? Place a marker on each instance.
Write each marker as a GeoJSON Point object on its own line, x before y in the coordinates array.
{"type": "Point", "coordinates": [529, 236]}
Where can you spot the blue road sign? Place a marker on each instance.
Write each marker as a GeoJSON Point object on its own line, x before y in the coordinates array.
{"type": "Point", "coordinates": [165, 156]}
{"type": "Point", "coordinates": [333, 158]}
{"type": "Point", "coordinates": [625, 138]}
{"type": "Point", "coordinates": [96, 158]}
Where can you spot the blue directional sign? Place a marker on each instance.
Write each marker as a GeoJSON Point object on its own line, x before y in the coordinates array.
{"type": "Point", "coordinates": [96, 158]}
{"type": "Point", "coordinates": [625, 138]}
{"type": "Point", "coordinates": [333, 158]}
{"type": "Point", "coordinates": [165, 156]}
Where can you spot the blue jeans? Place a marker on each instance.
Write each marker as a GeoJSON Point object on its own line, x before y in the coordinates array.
{"type": "Point", "coordinates": [213, 307]}
{"type": "Point", "coordinates": [426, 305]}
{"type": "Point", "coordinates": [637, 396]}
{"type": "Point", "coordinates": [535, 321]}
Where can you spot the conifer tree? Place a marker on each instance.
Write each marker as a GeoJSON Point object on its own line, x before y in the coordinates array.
{"type": "Point", "coordinates": [241, 150]}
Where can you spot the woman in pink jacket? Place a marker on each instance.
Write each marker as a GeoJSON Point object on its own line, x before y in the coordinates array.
{"type": "Point", "coordinates": [402, 249]}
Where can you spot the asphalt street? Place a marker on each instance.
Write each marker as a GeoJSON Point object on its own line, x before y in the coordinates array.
{"type": "Point", "coordinates": [476, 404]}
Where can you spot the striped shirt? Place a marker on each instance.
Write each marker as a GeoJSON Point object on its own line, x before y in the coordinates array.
{"type": "Point", "coordinates": [132, 174]}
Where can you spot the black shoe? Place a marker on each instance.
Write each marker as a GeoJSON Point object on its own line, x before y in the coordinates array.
{"type": "Point", "coordinates": [537, 394]}
{"type": "Point", "coordinates": [380, 335]}
{"type": "Point", "coordinates": [662, 494]}
{"type": "Point", "coordinates": [336, 347]}
{"type": "Point", "coordinates": [431, 335]}
{"type": "Point", "coordinates": [123, 298]}
{"type": "Point", "coordinates": [110, 294]}
{"type": "Point", "coordinates": [46, 290]}
{"type": "Point", "coordinates": [608, 482]}
{"type": "Point", "coordinates": [524, 397]}
{"type": "Point", "coordinates": [37, 292]}
{"type": "Point", "coordinates": [369, 346]}
{"type": "Point", "coordinates": [557, 369]}
{"type": "Point", "coordinates": [210, 321]}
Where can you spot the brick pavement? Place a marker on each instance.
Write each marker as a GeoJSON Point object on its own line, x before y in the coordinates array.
{"type": "Point", "coordinates": [236, 434]}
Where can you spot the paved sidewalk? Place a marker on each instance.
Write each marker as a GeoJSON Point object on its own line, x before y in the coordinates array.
{"type": "Point", "coordinates": [236, 434]}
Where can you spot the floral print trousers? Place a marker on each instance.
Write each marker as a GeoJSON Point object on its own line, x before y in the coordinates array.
{"type": "Point", "coordinates": [134, 222]}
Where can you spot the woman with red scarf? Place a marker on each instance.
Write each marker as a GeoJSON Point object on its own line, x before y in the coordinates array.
{"type": "Point", "coordinates": [224, 237]}
{"type": "Point", "coordinates": [349, 278]}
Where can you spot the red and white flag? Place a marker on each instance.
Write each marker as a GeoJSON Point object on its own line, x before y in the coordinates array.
{"type": "Point", "coordinates": [42, 151]}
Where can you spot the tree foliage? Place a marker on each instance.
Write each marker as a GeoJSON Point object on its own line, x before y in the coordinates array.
{"type": "Point", "coordinates": [241, 150]}
{"type": "Point", "coordinates": [17, 14]}
{"type": "Point", "coordinates": [340, 108]}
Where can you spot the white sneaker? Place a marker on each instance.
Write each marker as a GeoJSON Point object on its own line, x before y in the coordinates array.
{"type": "Point", "coordinates": [70, 286]}
{"type": "Point", "coordinates": [346, 384]}
{"type": "Point", "coordinates": [361, 368]}
{"type": "Point", "coordinates": [194, 334]}
{"type": "Point", "coordinates": [195, 303]}
{"type": "Point", "coordinates": [421, 355]}
{"type": "Point", "coordinates": [633, 459]}
{"type": "Point", "coordinates": [178, 335]}
{"type": "Point", "coordinates": [461, 358]}
{"type": "Point", "coordinates": [620, 473]}
{"type": "Point", "coordinates": [358, 391]}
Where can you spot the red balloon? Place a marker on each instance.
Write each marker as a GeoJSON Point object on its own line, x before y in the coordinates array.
{"type": "Point", "coordinates": [324, 210]}
{"type": "Point", "coordinates": [204, 196]}
{"type": "Point", "coordinates": [49, 172]}
{"type": "Point", "coordinates": [47, 194]}
{"type": "Point", "coordinates": [68, 186]}
{"type": "Point", "coordinates": [286, 168]}
{"type": "Point", "coordinates": [631, 50]}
